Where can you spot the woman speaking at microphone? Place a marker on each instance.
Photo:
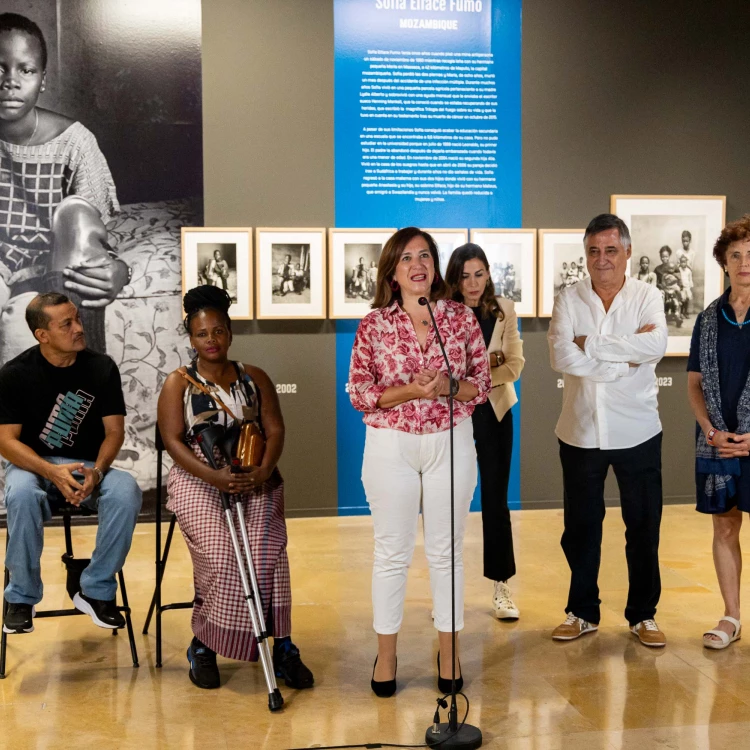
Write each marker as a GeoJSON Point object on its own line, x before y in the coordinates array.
{"type": "Point", "coordinates": [399, 379]}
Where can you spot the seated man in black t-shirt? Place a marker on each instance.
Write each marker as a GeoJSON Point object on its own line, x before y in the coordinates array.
{"type": "Point", "coordinates": [62, 422]}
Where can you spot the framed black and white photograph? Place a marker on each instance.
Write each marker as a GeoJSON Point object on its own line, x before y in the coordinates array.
{"type": "Point", "coordinates": [290, 273]}
{"type": "Point", "coordinates": [353, 256]}
{"type": "Point", "coordinates": [447, 240]}
{"type": "Point", "coordinates": [672, 245]}
{"type": "Point", "coordinates": [223, 258]}
{"type": "Point", "coordinates": [111, 114]}
{"type": "Point", "coordinates": [562, 263]}
{"type": "Point", "coordinates": [511, 254]}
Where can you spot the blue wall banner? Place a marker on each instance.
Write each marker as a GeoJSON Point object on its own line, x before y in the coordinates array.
{"type": "Point", "coordinates": [427, 133]}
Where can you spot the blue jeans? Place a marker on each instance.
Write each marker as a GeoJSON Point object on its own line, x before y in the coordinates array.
{"type": "Point", "coordinates": [117, 500]}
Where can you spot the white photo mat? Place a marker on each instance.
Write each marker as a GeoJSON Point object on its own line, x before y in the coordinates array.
{"type": "Point", "coordinates": [704, 217]}
{"type": "Point", "coordinates": [241, 238]}
{"type": "Point", "coordinates": [343, 245]}
{"type": "Point", "coordinates": [519, 247]}
{"type": "Point", "coordinates": [552, 243]}
{"type": "Point", "coordinates": [447, 240]}
{"type": "Point", "coordinates": [266, 269]}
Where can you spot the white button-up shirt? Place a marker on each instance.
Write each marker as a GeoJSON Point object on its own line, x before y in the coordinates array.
{"type": "Point", "coordinates": [607, 403]}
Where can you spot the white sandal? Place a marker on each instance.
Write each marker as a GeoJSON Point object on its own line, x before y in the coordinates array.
{"type": "Point", "coordinates": [724, 638]}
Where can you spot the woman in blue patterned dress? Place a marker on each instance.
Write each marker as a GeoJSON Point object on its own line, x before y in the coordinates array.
{"type": "Point", "coordinates": [719, 393]}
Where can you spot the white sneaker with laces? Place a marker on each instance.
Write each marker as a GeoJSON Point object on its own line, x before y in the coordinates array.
{"type": "Point", "coordinates": [503, 605]}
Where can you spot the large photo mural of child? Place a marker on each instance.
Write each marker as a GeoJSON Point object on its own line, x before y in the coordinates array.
{"type": "Point", "coordinates": [100, 166]}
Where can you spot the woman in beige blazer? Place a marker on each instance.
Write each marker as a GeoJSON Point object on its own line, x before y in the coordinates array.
{"type": "Point", "coordinates": [469, 281]}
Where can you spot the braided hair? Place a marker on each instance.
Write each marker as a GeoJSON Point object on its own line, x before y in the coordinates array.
{"type": "Point", "coordinates": [206, 297]}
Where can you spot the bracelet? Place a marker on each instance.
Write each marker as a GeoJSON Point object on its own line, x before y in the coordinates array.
{"type": "Point", "coordinates": [710, 435]}
{"type": "Point", "coordinates": [99, 474]}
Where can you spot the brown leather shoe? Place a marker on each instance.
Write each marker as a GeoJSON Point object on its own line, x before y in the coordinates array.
{"type": "Point", "coordinates": [649, 634]}
{"type": "Point", "coordinates": [573, 627]}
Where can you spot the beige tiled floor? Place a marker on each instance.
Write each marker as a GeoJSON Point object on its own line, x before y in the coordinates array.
{"type": "Point", "coordinates": [70, 684]}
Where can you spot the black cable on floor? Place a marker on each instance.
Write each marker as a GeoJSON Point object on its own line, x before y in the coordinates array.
{"type": "Point", "coordinates": [368, 745]}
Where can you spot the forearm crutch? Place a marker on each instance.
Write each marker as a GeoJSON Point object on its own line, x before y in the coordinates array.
{"type": "Point", "coordinates": [208, 439]}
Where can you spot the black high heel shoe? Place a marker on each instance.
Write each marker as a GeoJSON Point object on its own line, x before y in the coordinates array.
{"type": "Point", "coordinates": [444, 683]}
{"type": "Point", "coordinates": [386, 688]}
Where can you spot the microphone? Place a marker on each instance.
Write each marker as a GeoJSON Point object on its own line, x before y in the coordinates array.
{"type": "Point", "coordinates": [465, 737]}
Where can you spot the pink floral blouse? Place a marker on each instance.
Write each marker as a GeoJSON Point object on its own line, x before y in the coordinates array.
{"type": "Point", "coordinates": [387, 353]}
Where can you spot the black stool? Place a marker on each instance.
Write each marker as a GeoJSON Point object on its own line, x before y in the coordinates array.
{"type": "Point", "coordinates": [161, 558]}
{"type": "Point", "coordinates": [59, 507]}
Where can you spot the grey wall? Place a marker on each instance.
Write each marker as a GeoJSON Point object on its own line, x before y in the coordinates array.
{"type": "Point", "coordinates": [268, 161]}
{"type": "Point", "coordinates": [627, 97]}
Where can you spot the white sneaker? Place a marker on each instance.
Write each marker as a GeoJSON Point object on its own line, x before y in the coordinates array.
{"type": "Point", "coordinates": [503, 605]}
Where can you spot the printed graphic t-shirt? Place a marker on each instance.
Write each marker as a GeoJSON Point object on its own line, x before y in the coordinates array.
{"type": "Point", "coordinates": [60, 409]}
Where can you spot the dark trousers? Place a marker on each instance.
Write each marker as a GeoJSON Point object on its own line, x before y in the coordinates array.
{"type": "Point", "coordinates": [494, 444]}
{"type": "Point", "coordinates": [638, 473]}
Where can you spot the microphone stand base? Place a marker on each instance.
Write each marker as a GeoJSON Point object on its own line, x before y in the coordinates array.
{"type": "Point", "coordinates": [467, 737]}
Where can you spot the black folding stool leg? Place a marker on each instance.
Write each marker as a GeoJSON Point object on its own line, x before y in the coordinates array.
{"type": "Point", "coordinates": [4, 639]}
{"type": "Point", "coordinates": [65, 612]}
{"type": "Point", "coordinates": [159, 572]}
{"type": "Point", "coordinates": [128, 622]}
{"type": "Point", "coordinates": [161, 558]}
{"type": "Point", "coordinates": [68, 536]}
{"type": "Point", "coordinates": [123, 591]}
{"type": "Point", "coordinates": [156, 605]}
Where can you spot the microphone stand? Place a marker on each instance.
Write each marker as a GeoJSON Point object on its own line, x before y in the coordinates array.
{"type": "Point", "coordinates": [450, 735]}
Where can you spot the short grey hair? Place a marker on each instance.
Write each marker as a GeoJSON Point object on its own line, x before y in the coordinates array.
{"type": "Point", "coordinates": [602, 223]}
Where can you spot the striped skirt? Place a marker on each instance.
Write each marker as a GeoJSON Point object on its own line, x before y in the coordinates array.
{"type": "Point", "coordinates": [221, 619]}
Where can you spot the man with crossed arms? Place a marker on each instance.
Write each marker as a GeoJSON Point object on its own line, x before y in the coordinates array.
{"type": "Point", "coordinates": [606, 335]}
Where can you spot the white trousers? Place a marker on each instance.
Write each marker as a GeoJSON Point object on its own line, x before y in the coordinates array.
{"type": "Point", "coordinates": [400, 473]}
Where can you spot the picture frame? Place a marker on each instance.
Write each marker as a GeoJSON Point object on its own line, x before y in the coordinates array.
{"type": "Point", "coordinates": [447, 240]}
{"type": "Point", "coordinates": [351, 255]}
{"type": "Point", "coordinates": [290, 279]}
{"type": "Point", "coordinates": [672, 247]}
{"type": "Point", "coordinates": [512, 256]}
{"type": "Point", "coordinates": [561, 258]}
{"type": "Point", "coordinates": [221, 256]}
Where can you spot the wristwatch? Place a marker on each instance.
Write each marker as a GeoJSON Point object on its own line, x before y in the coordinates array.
{"type": "Point", "coordinates": [455, 386]}
{"type": "Point", "coordinates": [710, 435]}
{"type": "Point", "coordinates": [499, 359]}
{"type": "Point", "coordinates": [99, 474]}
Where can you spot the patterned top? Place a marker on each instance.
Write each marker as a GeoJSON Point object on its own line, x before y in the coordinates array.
{"type": "Point", "coordinates": [243, 399]}
{"type": "Point", "coordinates": [387, 353]}
{"type": "Point", "coordinates": [33, 182]}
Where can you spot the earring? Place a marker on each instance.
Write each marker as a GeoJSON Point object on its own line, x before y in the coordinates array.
{"type": "Point", "coordinates": [192, 353]}
{"type": "Point", "coordinates": [436, 280]}
{"type": "Point", "coordinates": [395, 285]}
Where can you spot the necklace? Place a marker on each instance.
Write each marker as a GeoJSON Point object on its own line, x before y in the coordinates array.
{"type": "Point", "coordinates": [733, 322]}
{"type": "Point", "coordinates": [36, 125]}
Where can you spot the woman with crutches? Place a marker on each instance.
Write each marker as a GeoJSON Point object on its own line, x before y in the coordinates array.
{"type": "Point", "coordinates": [221, 619]}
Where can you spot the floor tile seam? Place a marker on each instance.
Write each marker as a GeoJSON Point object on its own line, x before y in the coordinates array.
{"type": "Point", "coordinates": [578, 713]}
{"type": "Point", "coordinates": [728, 689]}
